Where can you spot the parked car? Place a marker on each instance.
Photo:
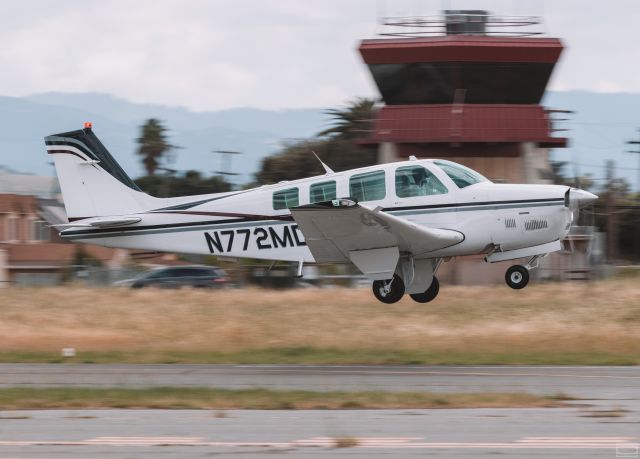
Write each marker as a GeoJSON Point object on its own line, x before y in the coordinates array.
{"type": "Point", "coordinates": [181, 276]}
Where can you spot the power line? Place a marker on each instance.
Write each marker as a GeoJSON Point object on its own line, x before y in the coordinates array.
{"type": "Point", "coordinates": [597, 123]}
{"type": "Point", "coordinates": [600, 166]}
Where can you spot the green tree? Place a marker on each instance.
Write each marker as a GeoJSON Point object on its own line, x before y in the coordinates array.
{"type": "Point", "coordinates": [153, 144]}
{"type": "Point", "coordinates": [337, 146]}
{"type": "Point", "coordinates": [352, 122]}
{"type": "Point", "coordinates": [187, 184]}
{"type": "Point", "coordinates": [557, 175]}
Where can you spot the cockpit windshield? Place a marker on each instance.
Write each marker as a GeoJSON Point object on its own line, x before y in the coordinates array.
{"type": "Point", "coordinates": [461, 175]}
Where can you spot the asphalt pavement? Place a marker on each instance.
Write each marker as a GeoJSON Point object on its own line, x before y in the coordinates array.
{"type": "Point", "coordinates": [586, 382]}
{"type": "Point", "coordinates": [120, 434]}
{"type": "Point", "coordinates": [604, 423]}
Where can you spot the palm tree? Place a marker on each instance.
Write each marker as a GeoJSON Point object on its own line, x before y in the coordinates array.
{"type": "Point", "coordinates": [153, 145]}
{"type": "Point", "coordinates": [351, 122]}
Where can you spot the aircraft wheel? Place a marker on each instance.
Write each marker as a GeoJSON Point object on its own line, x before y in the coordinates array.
{"type": "Point", "coordinates": [517, 277]}
{"type": "Point", "coordinates": [429, 294]}
{"type": "Point", "coordinates": [389, 292]}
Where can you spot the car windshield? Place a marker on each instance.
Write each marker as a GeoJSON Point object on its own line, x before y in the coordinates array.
{"type": "Point", "coordinates": [461, 175]}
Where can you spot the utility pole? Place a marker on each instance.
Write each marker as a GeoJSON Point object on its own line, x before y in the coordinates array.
{"type": "Point", "coordinates": [226, 157]}
{"type": "Point", "coordinates": [610, 206]}
{"type": "Point", "coordinates": [166, 186]}
{"type": "Point", "coordinates": [636, 212]}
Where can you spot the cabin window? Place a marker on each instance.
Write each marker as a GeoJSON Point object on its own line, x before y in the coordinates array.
{"type": "Point", "coordinates": [324, 191]}
{"type": "Point", "coordinates": [417, 181]}
{"type": "Point", "coordinates": [367, 187]}
{"type": "Point", "coordinates": [284, 199]}
{"type": "Point", "coordinates": [462, 176]}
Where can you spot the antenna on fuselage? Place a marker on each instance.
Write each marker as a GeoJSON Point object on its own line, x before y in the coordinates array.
{"type": "Point", "coordinates": [327, 169]}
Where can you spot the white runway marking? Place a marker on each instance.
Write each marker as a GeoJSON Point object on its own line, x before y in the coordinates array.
{"type": "Point", "coordinates": [145, 441]}
{"type": "Point", "coordinates": [358, 442]}
{"type": "Point", "coordinates": [356, 372]}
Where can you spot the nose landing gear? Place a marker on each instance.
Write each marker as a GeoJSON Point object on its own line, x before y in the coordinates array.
{"type": "Point", "coordinates": [517, 277]}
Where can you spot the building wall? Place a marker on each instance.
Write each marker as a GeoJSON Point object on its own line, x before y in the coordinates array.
{"type": "Point", "coordinates": [4, 270]}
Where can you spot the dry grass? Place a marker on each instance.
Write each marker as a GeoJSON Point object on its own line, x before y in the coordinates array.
{"type": "Point", "coordinates": [18, 398]}
{"type": "Point", "coordinates": [345, 442]}
{"type": "Point", "coordinates": [601, 320]}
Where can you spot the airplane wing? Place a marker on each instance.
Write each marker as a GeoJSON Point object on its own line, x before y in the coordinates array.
{"type": "Point", "coordinates": [343, 231]}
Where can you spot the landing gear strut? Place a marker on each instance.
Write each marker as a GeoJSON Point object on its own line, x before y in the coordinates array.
{"type": "Point", "coordinates": [389, 291]}
{"type": "Point", "coordinates": [517, 277]}
{"type": "Point", "coordinates": [429, 294]}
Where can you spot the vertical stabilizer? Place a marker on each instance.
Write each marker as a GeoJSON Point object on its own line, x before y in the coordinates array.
{"type": "Point", "coordinates": [93, 184]}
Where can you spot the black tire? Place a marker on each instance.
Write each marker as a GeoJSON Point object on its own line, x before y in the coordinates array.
{"type": "Point", "coordinates": [517, 277]}
{"type": "Point", "coordinates": [394, 295]}
{"type": "Point", "coordinates": [429, 294]}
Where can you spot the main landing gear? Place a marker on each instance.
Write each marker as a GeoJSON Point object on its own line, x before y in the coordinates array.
{"type": "Point", "coordinates": [429, 294]}
{"type": "Point", "coordinates": [392, 290]}
{"type": "Point", "coordinates": [389, 291]}
{"type": "Point", "coordinates": [415, 277]}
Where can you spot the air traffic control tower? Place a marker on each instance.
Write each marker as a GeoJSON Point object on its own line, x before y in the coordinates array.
{"type": "Point", "coordinates": [465, 86]}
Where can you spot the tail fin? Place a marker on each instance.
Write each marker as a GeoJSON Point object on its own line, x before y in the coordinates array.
{"type": "Point", "coordinates": [93, 184]}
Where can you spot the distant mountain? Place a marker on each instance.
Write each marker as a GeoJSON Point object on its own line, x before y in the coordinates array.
{"type": "Point", "coordinates": [255, 133]}
{"type": "Point", "coordinates": [598, 128]}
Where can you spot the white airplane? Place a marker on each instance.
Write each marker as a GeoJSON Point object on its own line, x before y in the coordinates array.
{"type": "Point", "coordinates": [394, 222]}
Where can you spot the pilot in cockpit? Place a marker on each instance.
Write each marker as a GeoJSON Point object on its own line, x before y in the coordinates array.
{"type": "Point", "coordinates": [419, 179]}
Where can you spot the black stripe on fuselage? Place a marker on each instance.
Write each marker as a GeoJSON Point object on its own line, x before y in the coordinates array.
{"type": "Point", "coordinates": [189, 205]}
{"type": "Point", "coordinates": [471, 204]}
{"type": "Point", "coordinates": [257, 218]}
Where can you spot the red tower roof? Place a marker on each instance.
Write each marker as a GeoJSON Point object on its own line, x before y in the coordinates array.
{"type": "Point", "coordinates": [488, 70]}
{"type": "Point", "coordinates": [461, 48]}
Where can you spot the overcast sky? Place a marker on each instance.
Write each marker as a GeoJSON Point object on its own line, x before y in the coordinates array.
{"type": "Point", "coordinates": [215, 54]}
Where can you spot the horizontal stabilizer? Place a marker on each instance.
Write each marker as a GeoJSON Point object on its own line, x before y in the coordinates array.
{"type": "Point", "coordinates": [102, 222]}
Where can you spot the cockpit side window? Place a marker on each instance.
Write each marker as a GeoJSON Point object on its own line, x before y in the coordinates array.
{"type": "Point", "coordinates": [460, 175]}
{"type": "Point", "coordinates": [417, 181]}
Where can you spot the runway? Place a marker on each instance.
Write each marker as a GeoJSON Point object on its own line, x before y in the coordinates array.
{"type": "Point", "coordinates": [370, 433]}
{"type": "Point", "coordinates": [609, 383]}
{"type": "Point", "coordinates": [604, 423]}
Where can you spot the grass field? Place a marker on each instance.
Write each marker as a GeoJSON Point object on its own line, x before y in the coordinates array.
{"type": "Point", "coordinates": [263, 399]}
{"type": "Point", "coordinates": [561, 323]}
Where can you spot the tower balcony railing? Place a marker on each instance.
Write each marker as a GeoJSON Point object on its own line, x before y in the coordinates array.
{"type": "Point", "coordinates": [461, 22]}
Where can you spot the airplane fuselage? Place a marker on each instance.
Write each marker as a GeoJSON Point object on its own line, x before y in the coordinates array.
{"type": "Point", "coordinates": [257, 223]}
